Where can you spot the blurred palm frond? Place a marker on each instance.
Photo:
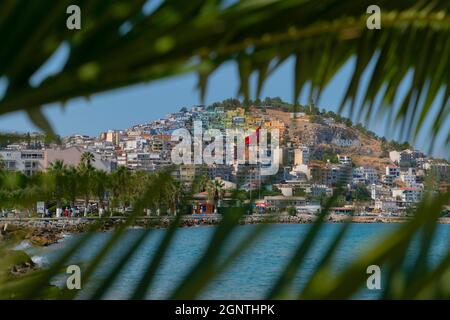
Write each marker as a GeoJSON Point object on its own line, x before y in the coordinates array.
{"type": "Point", "coordinates": [121, 44]}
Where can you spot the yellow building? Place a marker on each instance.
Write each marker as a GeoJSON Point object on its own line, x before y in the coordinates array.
{"type": "Point", "coordinates": [275, 124]}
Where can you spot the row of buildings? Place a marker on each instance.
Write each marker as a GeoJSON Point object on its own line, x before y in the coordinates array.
{"type": "Point", "coordinates": [30, 161]}
{"type": "Point", "coordinates": [148, 147]}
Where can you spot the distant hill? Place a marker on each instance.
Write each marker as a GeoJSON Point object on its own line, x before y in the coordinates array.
{"type": "Point", "coordinates": [324, 136]}
{"type": "Point", "coordinates": [325, 132]}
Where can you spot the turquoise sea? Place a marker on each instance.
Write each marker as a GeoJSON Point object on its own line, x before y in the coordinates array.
{"type": "Point", "coordinates": [251, 276]}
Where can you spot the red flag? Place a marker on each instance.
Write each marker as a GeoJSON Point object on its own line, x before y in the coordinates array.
{"type": "Point", "coordinates": [256, 134]}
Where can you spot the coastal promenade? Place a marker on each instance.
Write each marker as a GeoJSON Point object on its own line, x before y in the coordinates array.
{"type": "Point", "coordinates": [191, 220]}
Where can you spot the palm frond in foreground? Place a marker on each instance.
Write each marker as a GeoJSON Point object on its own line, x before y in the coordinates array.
{"type": "Point", "coordinates": [199, 36]}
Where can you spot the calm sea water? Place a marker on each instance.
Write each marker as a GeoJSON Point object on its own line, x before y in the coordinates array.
{"type": "Point", "coordinates": [251, 276]}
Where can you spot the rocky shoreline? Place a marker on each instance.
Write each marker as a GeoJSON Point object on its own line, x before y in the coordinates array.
{"type": "Point", "coordinates": [44, 232]}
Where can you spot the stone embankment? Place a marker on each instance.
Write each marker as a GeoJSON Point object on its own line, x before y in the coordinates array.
{"type": "Point", "coordinates": [45, 231]}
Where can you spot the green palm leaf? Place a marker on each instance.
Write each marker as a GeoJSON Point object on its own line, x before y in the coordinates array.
{"type": "Point", "coordinates": [199, 36]}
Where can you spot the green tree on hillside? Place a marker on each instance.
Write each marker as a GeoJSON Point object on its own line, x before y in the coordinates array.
{"type": "Point", "coordinates": [361, 193]}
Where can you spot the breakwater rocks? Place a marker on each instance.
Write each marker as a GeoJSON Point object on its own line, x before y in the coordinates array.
{"type": "Point", "coordinates": [37, 231]}
{"type": "Point", "coordinates": [300, 218]}
{"type": "Point", "coordinates": [45, 231]}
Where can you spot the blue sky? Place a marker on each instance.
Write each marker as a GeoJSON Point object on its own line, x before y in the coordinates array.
{"type": "Point", "coordinates": [123, 108]}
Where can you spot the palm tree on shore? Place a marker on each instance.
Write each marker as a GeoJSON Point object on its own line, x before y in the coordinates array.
{"type": "Point", "coordinates": [174, 191]}
{"type": "Point", "coordinates": [200, 183]}
{"type": "Point", "coordinates": [86, 174]}
{"type": "Point", "coordinates": [101, 187]}
{"type": "Point", "coordinates": [219, 190]}
{"type": "Point", "coordinates": [87, 158]}
{"type": "Point", "coordinates": [215, 190]}
{"type": "Point", "coordinates": [58, 170]}
{"type": "Point", "coordinates": [73, 184]}
{"type": "Point", "coordinates": [120, 182]}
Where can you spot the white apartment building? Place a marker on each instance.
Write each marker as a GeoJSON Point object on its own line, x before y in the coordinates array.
{"type": "Point", "coordinates": [347, 160]}
{"type": "Point", "coordinates": [410, 171]}
{"type": "Point", "coordinates": [409, 179]}
{"type": "Point", "coordinates": [388, 179]}
{"type": "Point", "coordinates": [379, 192]}
{"type": "Point", "coordinates": [405, 158]}
{"type": "Point", "coordinates": [302, 169]}
{"type": "Point", "coordinates": [105, 149]}
{"type": "Point", "coordinates": [407, 195]}
{"type": "Point", "coordinates": [358, 177]}
{"type": "Point", "coordinates": [133, 144]}
{"type": "Point", "coordinates": [317, 190]}
{"type": "Point", "coordinates": [122, 159]}
{"type": "Point", "coordinates": [142, 161]}
{"type": "Point", "coordinates": [77, 140]}
{"type": "Point", "coordinates": [341, 174]}
{"type": "Point", "coordinates": [386, 205]}
{"type": "Point", "coordinates": [26, 161]}
{"type": "Point", "coordinates": [282, 202]}
{"type": "Point", "coordinates": [393, 171]}
{"type": "Point", "coordinates": [371, 175]}
{"type": "Point", "coordinates": [365, 175]}
{"type": "Point", "coordinates": [400, 157]}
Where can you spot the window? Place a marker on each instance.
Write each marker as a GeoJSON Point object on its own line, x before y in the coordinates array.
{"type": "Point", "coordinates": [32, 156]}
{"type": "Point", "coordinates": [10, 165]}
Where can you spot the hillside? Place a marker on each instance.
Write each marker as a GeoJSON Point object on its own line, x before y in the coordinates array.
{"type": "Point", "coordinates": [325, 132]}
{"type": "Point", "coordinates": [326, 136]}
